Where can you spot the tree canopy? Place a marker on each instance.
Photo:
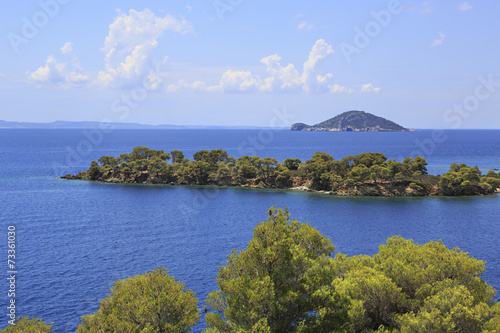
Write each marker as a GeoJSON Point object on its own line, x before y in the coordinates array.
{"type": "Point", "coordinates": [28, 325]}
{"type": "Point", "coordinates": [278, 283]}
{"type": "Point", "coordinates": [362, 174]}
{"type": "Point", "coordinates": [286, 281]}
{"type": "Point", "coordinates": [153, 302]}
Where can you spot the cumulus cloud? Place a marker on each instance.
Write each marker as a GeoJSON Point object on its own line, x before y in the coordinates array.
{"type": "Point", "coordinates": [303, 25]}
{"type": "Point", "coordinates": [422, 8]}
{"type": "Point", "coordinates": [197, 86]}
{"type": "Point", "coordinates": [131, 39]}
{"type": "Point", "coordinates": [67, 48]}
{"type": "Point", "coordinates": [465, 7]}
{"type": "Point", "coordinates": [439, 41]}
{"type": "Point", "coordinates": [280, 78]}
{"type": "Point", "coordinates": [368, 88]}
{"type": "Point", "coordinates": [310, 77]}
{"type": "Point", "coordinates": [239, 81]}
{"type": "Point", "coordinates": [338, 89]}
{"type": "Point", "coordinates": [59, 73]}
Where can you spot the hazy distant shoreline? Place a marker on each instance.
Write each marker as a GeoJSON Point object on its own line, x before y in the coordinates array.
{"type": "Point", "coordinates": [114, 125]}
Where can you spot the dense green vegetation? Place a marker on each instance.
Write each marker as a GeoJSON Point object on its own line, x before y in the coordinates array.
{"type": "Point", "coordinates": [287, 280]}
{"type": "Point", "coordinates": [369, 174]}
{"type": "Point", "coordinates": [28, 325]}
{"type": "Point", "coordinates": [152, 302]}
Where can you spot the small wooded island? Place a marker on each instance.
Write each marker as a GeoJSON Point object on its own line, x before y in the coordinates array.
{"type": "Point", "coordinates": [353, 121]}
{"type": "Point", "coordinates": [367, 174]}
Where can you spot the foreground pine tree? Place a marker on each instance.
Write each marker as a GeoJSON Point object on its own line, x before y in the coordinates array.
{"type": "Point", "coordinates": [28, 325]}
{"type": "Point", "coordinates": [152, 302]}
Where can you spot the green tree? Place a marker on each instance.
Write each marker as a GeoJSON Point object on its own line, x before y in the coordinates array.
{"type": "Point", "coordinates": [282, 176]}
{"type": "Point", "coordinates": [375, 297]}
{"type": "Point", "coordinates": [315, 169]}
{"type": "Point", "coordinates": [27, 325]}
{"type": "Point", "coordinates": [369, 159]}
{"type": "Point", "coordinates": [94, 171]}
{"type": "Point", "coordinates": [213, 157]}
{"type": "Point", "coordinates": [280, 283]}
{"type": "Point", "coordinates": [202, 155]}
{"type": "Point", "coordinates": [378, 172]}
{"type": "Point", "coordinates": [218, 156]}
{"type": "Point", "coordinates": [196, 172]}
{"type": "Point", "coordinates": [144, 153]}
{"type": "Point", "coordinates": [292, 163]}
{"type": "Point", "coordinates": [268, 165]}
{"type": "Point", "coordinates": [223, 174]}
{"type": "Point", "coordinates": [408, 287]}
{"type": "Point", "coordinates": [177, 156]}
{"type": "Point", "coordinates": [246, 167]}
{"type": "Point", "coordinates": [459, 178]}
{"type": "Point", "coordinates": [108, 161]}
{"type": "Point", "coordinates": [359, 173]}
{"type": "Point", "coordinates": [451, 309]}
{"type": "Point", "coordinates": [417, 165]}
{"type": "Point", "coordinates": [415, 267]}
{"type": "Point", "coordinates": [151, 302]}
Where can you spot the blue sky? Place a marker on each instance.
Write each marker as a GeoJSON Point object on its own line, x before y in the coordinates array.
{"type": "Point", "coordinates": [423, 64]}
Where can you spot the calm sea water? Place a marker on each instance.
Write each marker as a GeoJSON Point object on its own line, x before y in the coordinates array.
{"type": "Point", "coordinates": [75, 239]}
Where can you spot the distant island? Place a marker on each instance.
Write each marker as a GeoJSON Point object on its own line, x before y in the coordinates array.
{"type": "Point", "coordinates": [367, 174]}
{"type": "Point", "coordinates": [108, 125]}
{"type": "Point", "coordinates": [353, 121]}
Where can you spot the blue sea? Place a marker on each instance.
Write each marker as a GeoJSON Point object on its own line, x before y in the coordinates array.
{"type": "Point", "coordinates": [74, 239]}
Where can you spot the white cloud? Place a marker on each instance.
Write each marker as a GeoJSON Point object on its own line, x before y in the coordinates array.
{"type": "Point", "coordinates": [439, 41]}
{"type": "Point", "coordinates": [67, 48]}
{"type": "Point", "coordinates": [189, 8]}
{"type": "Point", "coordinates": [131, 39]}
{"type": "Point", "coordinates": [338, 89]}
{"type": "Point", "coordinates": [465, 7]}
{"type": "Point", "coordinates": [310, 77]}
{"type": "Point", "coordinates": [303, 25]}
{"type": "Point", "coordinates": [239, 81]}
{"type": "Point", "coordinates": [280, 78]}
{"type": "Point", "coordinates": [60, 73]}
{"type": "Point", "coordinates": [422, 8]}
{"type": "Point", "coordinates": [368, 88]}
{"type": "Point", "coordinates": [197, 86]}
{"type": "Point", "coordinates": [128, 47]}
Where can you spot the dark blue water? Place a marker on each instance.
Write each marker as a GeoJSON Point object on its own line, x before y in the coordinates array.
{"type": "Point", "coordinates": [75, 239]}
